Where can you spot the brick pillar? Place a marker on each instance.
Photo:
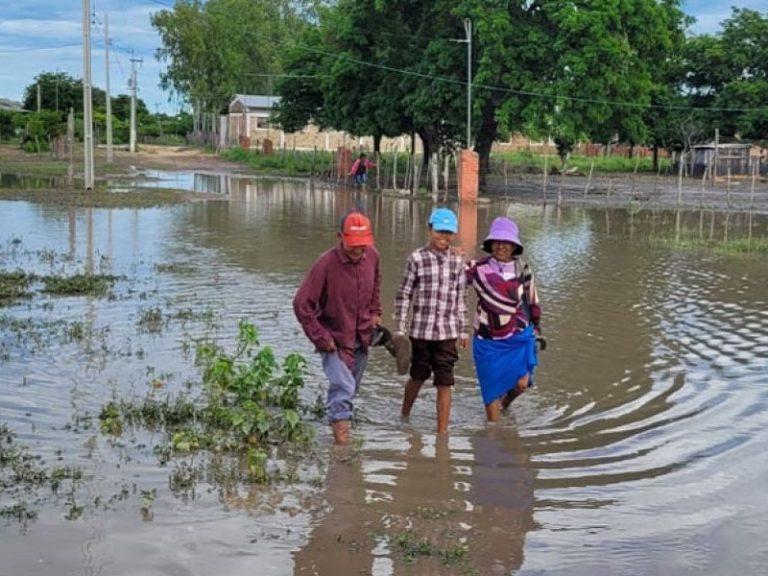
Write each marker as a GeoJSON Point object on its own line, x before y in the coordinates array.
{"type": "Point", "coordinates": [468, 228]}
{"type": "Point", "coordinates": [469, 176]}
{"type": "Point", "coordinates": [343, 162]}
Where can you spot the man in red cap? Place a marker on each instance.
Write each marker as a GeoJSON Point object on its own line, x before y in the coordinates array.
{"type": "Point", "coordinates": [338, 306]}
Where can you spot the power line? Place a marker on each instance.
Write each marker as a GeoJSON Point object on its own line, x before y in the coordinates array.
{"type": "Point", "coordinates": [532, 94]}
{"type": "Point", "coordinates": [39, 48]}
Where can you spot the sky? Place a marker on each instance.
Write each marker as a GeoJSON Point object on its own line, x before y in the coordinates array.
{"type": "Point", "coordinates": [38, 36]}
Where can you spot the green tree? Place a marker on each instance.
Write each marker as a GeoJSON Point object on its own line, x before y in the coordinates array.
{"type": "Point", "coordinates": [7, 124]}
{"type": "Point", "coordinates": [380, 69]}
{"type": "Point", "coordinates": [605, 67]}
{"type": "Point", "coordinates": [59, 91]}
{"type": "Point", "coordinates": [121, 108]}
{"type": "Point", "coordinates": [726, 77]}
{"type": "Point", "coordinates": [570, 70]}
{"type": "Point", "coordinates": [218, 48]}
{"type": "Point", "coordinates": [745, 82]}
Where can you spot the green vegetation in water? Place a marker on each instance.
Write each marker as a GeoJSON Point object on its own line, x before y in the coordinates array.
{"type": "Point", "coordinates": [79, 284]}
{"type": "Point", "coordinates": [14, 285]}
{"type": "Point", "coordinates": [99, 198]}
{"type": "Point", "coordinates": [743, 246]}
{"type": "Point", "coordinates": [34, 165]}
{"type": "Point", "coordinates": [29, 336]}
{"type": "Point", "coordinates": [247, 407]}
{"type": "Point", "coordinates": [175, 268]}
{"type": "Point", "coordinates": [413, 548]}
{"type": "Point", "coordinates": [151, 320]}
{"type": "Point", "coordinates": [22, 477]}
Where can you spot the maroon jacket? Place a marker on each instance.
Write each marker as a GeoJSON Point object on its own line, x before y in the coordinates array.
{"type": "Point", "coordinates": [338, 299]}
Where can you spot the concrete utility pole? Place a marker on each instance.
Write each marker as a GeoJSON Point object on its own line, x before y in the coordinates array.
{"type": "Point", "coordinates": [87, 101]}
{"type": "Point", "coordinates": [133, 88]}
{"type": "Point", "coordinates": [468, 41]}
{"type": "Point", "coordinates": [109, 98]}
{"type": "Point", "coordinates": [468, 32]}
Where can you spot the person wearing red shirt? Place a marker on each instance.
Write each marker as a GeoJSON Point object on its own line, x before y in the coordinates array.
{"type": "Point", "coordinates": [338, 305]}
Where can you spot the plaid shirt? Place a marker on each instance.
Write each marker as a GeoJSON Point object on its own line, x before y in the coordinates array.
{"type": "Point", "coordinates": [434, 286]}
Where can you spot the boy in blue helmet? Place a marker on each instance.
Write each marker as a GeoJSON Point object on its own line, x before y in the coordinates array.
{"type": "Point", "coordinates": [433, 288]}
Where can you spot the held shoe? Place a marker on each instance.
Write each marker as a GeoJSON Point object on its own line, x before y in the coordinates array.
{"type": "Point", "coordinates": [402, 346]}
{"type": "Point", "coordinates": [382, 337]}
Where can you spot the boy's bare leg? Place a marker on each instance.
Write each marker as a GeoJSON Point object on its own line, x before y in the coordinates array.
{"type": "Point", "coordinates": [443, 408]}
{"type": "Point", "coordinates": [412, 388]}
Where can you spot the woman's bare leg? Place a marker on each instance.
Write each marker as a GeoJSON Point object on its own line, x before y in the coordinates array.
{"type": "Point", "coordinates": [493, 410]}
{"type": "Point", "coordinates": [509, 397]}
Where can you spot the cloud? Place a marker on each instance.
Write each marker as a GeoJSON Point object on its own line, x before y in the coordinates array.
{"type": "Point", "coordinates": [47, 36]}
{"type": "Point", "coordinates": [38, 32]}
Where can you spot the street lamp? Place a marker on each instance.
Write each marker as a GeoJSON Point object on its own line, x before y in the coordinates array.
{"type": "Point", "coordinates": [468, 32]}
{"type": "Point", "coordinates": [468, 41]}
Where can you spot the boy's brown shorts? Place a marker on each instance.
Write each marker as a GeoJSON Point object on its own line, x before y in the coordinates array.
{"type": "Point", "coordinates": [433, 356]}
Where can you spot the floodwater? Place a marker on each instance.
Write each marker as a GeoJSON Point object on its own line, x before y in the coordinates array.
{"type": "Point", "coordinates": [642, 449]}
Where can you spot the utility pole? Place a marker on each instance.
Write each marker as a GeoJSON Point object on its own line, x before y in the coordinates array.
{"type": "Point", "coordinates": [133, 103]}
{"type": "Point", "coordinates": [468, 41]}
{"type": "Point", "coordinates": [109, 97]}
{"type": "Point", "coordinates": [87, 101]}
{"type": "Point", "coordinates": [38, 98]}
{"type": "Point", "coordinates": [468, 32]}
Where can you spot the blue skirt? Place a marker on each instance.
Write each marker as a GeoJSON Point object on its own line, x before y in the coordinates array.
{"type": "Point", "coordinates": [501, 363]}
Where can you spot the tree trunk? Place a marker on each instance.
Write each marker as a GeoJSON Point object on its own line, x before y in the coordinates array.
{"type": "Point", "coordinates": [427, 142]}
{"type": "Point", "coordinates": [485, 138]}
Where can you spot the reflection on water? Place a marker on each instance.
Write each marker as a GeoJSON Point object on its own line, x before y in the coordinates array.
{"type": "Point", "coordinates": [641, 450]}
{"type": "Point", "coordinates": [460, 504]}
{"type": "Point", "coordinates": [24, 182]}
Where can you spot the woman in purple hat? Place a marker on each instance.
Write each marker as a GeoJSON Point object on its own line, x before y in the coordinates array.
{"type": "Point", "coordinates": [507, 319]}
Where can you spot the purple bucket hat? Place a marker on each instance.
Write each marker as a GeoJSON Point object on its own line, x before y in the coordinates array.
{"type": "Point", "coordinates": [503, 230]}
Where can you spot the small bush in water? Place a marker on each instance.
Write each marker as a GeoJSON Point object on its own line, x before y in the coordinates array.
{"type": "Point", "coordinates": [248, 406]}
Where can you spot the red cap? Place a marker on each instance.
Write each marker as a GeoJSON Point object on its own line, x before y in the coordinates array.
{"type": "Point", "coordinates": [356, 230]}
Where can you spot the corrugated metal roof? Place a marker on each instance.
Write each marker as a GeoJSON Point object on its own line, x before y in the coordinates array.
{"type": "Point", "coordinates": [731, 145]}
{"type": "Point", "coordinates": [6, 104]}
{"type": "Point", "coordinates": [252, 101]}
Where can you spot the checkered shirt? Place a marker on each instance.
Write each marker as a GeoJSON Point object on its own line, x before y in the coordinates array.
{"type": "Point", "coordinates": [434, 289]}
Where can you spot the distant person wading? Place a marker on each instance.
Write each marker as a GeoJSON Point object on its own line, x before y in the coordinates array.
{"type": "Point", "coordinates": [360, 169]}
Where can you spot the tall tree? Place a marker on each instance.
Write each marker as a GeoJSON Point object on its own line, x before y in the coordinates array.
{"type": "Point", "coordinates": [570, 70]}
{"type": "Point", "coordinates": [60, 91]}
{"type": "Point", "coordinates": [604, 71]}
{"type": "Point", "coordinates": [380, 68]}
{"type": "Point", "coordinates": [218, 48]}
{"type": "Point", "coordinates": [745, 42]}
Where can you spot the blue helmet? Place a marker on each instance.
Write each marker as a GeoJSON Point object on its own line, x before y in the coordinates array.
{"type": "Point", "coordinates": [444, 220]}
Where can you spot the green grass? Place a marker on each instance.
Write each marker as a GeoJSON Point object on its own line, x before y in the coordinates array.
{"type": "Point", "coordinates": [34, 165]}
{"type": "Point", "coordinates": [284, 162]}
{"type": "Point", "coordinates": [527, 161]}
{"type": "Point", "coordinates": [99, 198]}
{"type": "Point", "coordinates": [753, 247]}
{"type": "Point", "coordinates": [304, 163]}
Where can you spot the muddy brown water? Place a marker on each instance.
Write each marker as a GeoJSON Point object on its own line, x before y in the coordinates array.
{"type": "Point", "coordinates": [642, 449]}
